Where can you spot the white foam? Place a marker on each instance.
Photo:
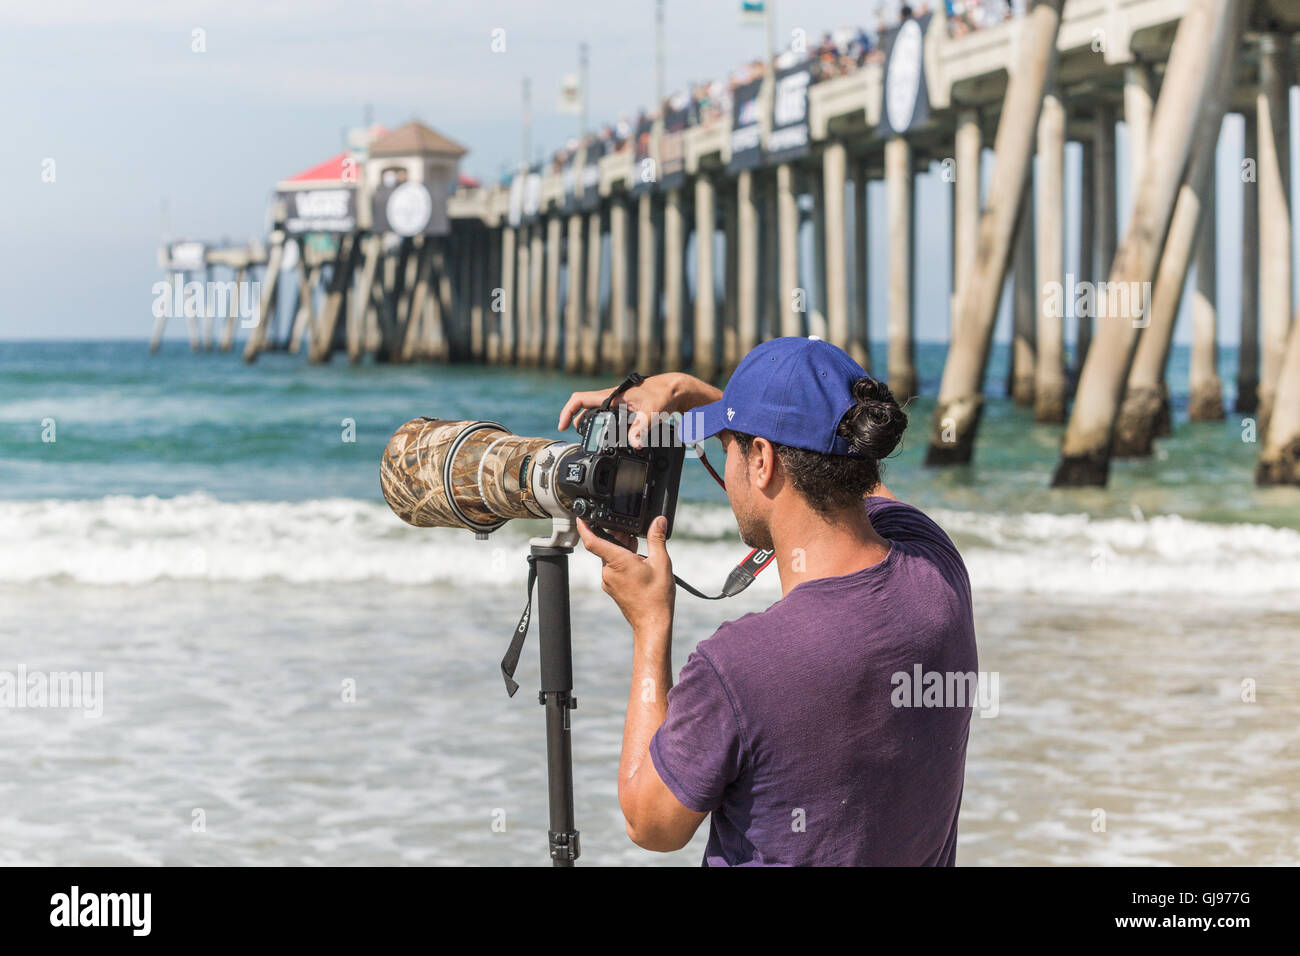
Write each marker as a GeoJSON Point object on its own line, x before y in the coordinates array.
{"type": "Point", "coordinates": [1080, 555]}
{"type": "Point", "coordinates": [126, 541]}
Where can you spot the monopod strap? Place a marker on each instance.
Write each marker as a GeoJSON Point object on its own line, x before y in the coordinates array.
{"type": "Point", "coordinates": [741, 576]}
{"type": "Point", "coordinates": [511, 660]}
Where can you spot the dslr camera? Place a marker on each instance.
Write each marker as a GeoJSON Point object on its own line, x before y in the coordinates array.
{"type": "Point", "coordinates": [611, 485]}
{"type": "Point", "coordinates": [477, 475]}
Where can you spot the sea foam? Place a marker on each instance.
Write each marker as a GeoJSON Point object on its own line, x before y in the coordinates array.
{"type": "Point", "coordinates": [126, 541]}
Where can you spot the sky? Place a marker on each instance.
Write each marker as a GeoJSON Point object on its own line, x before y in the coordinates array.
{"type": "Point", "coordinates": [133, 117]}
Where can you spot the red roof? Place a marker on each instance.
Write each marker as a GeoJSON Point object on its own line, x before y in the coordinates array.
{"type": "Point", "coordinates": [329, 171]}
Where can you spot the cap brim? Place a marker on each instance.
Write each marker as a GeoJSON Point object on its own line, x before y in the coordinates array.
{"type": "Point", "coordinates": [703, 422]}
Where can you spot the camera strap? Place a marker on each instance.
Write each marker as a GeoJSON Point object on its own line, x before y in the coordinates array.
{"type": "Point", "coordinates": [741, 576]}
{"type": "Point", "coordinates": [633, 379]}
{"type": "Point", "coordinates": [511, 660]}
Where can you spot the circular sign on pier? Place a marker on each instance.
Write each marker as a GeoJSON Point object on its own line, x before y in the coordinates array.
{"type": "Point", "coordinates": [409, 209]}
{"type": "Point", "coordinates": [903, 76]}
{"type": "Point", "coordinates": [905, 102]}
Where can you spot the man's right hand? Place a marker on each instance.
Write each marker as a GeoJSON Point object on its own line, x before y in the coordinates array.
{"type": "Point", "coordinates": [658, 394]}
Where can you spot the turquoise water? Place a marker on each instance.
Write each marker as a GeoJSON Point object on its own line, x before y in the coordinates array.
{"type": "Point", "coordinates": [131, 424]}
{"type": "Point", "coordinates": [203, 533]}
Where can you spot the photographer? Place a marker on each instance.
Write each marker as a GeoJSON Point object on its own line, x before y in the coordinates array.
{"type": "Point", "coordinates": [786, 725]}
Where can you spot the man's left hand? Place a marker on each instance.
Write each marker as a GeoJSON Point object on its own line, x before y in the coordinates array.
{"type": "Point", "coordinates": [643, 588]}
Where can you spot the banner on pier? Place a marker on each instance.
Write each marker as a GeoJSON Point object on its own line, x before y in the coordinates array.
{"type": "Point", "coordinates": [569, 184]}
{"type": "Point", "coordinates": [532, 194]}
{"type": "Point", "coordinates": [644, 174]}
{"type": "Point", "coordinates": [570, 99]}
{"type": "Point", "coordinates": [790, 136]}
{"type": "Point", "coordinates": [186, 256]}
{"type": "Point", "coordinates": [591, 174]}
{"type": "Point", "coordinates": [319, 210]}
{"type": "Point", "coordinates": [411, 209]}
{"type": "Point", "coordinates": [906, 99]}
{"type": "Point", "coordinates": [746, 130]}
{"type": "Point", "coordinates": [672, 143]}
{"type": "Point", "coordinates": [515, 199]}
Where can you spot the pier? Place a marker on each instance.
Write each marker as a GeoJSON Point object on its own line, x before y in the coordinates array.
{"type": "Point", "coordinates": [674, 244]}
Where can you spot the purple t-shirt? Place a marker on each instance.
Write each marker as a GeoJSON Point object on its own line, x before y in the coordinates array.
{"type": "Point", "coordinates": [784, 724]}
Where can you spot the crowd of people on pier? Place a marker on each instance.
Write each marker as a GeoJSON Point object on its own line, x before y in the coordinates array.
{"type": "Point", "coordinates": [839, 52]}
{"type": "Point", "coordinates": [966, 16]}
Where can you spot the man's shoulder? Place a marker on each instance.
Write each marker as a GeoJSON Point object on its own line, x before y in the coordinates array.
{"type": "Point", "coordinates": [899, 521]}
{"type": "Point", "coordinates": [892, 511]}
{"type": "Point", "coordinates": [752, 633]}
{"type": "Point", "coordinates": [926, 547]}
{"type": "Point", "coordinates": [723, 641]}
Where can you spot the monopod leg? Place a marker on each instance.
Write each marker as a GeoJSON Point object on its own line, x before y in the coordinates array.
{"type": "Point", "coordinates": [557, 696]}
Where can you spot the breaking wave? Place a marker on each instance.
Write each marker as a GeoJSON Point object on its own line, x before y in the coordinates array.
{"type": "Point", "coordinates": [128, 541]}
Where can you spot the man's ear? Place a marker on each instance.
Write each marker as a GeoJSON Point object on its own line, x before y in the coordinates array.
{"type": "Point", "coordinates": [762, 463]}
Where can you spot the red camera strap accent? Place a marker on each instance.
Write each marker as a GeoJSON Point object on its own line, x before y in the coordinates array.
{"type": "Point", "coordinates": [741, 576]}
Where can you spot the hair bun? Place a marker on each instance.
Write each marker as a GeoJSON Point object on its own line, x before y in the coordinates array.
{"type": "Point", "coordinates": [875, 424]}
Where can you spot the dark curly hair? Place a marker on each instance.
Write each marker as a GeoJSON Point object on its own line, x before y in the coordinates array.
{"type": "Point", "coordinates": [873, 427]}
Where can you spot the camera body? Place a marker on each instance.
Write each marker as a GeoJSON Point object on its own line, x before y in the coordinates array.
{"type": "Point", "coordinates": [613, 486]}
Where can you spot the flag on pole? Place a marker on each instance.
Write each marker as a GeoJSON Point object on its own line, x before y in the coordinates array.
{"type": "Point", "coordinates": [753, 11]}
{"type": "Point", "coordinates": [570, 98]}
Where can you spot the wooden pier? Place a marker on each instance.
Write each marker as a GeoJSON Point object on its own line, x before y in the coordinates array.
{"type": "Point", "coordinates": [587, 264]}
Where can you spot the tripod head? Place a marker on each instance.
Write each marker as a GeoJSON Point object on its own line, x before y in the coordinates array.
{"type": "Point", "coordinates": [564, 535]}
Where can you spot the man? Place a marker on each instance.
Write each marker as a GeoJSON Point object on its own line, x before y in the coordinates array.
{"type": "Point", "coordinates": [787, 725]}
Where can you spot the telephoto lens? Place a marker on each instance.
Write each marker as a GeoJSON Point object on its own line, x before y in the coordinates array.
{"type": "Point", "coordinates": [476, 475]}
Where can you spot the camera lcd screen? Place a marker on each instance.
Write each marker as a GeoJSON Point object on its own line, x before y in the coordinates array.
{"type": "Point", "coordinates": [597, 432]}
{"type": "Point", "coordinates": [629, 488]}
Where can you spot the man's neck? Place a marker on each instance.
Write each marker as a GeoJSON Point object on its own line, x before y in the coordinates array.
{"type": "Point", "coordinates": [809, 545]}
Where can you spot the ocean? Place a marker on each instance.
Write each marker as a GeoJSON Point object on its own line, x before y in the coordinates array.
{"type": "Point", "coordinates": [290, 675]}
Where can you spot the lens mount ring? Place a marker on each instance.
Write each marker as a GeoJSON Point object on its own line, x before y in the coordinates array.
{"type": "Point", "coordinates": [544, 490]}
{"type": "Point", "coordinates": [475, 526]}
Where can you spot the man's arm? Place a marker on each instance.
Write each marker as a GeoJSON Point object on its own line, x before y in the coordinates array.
{"type": "Point", "coordinates": [644, 590]}
{"type": "Point", "coordinates": [658, 394]}
{"type": "Point", "coordinates": [656, 820]}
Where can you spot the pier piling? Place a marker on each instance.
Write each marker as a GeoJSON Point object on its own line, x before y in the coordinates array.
{"type": "Point", "coordinates": [901, 197]}
{"type": "Point", "coordinates": [1273, 129]}
{"type": "Point", "coordinates": [706, 316]}
{"type": "Point", "coordinates": [965, 202]}
{"type": "Point", "coordinates": [860, 337]}
{"type": "Point", "coordinates": [1022, 373]}
{"type": "Point", "coordinates": [1203, 31]}
{"type": "Point", "coordinates": [1248, 346]}
{"type": "Point", "coordinates": [1049, 261]}
{"type": "Point", "coordinates": [957, 412]}
{"type": "Point", "coordinates": [836, 243]}
{"type": "Point", "coordinates": [1205, 395]}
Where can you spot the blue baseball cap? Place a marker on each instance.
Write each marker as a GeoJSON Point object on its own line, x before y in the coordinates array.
{"type": "Point", "coordinates": [792, 391]}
